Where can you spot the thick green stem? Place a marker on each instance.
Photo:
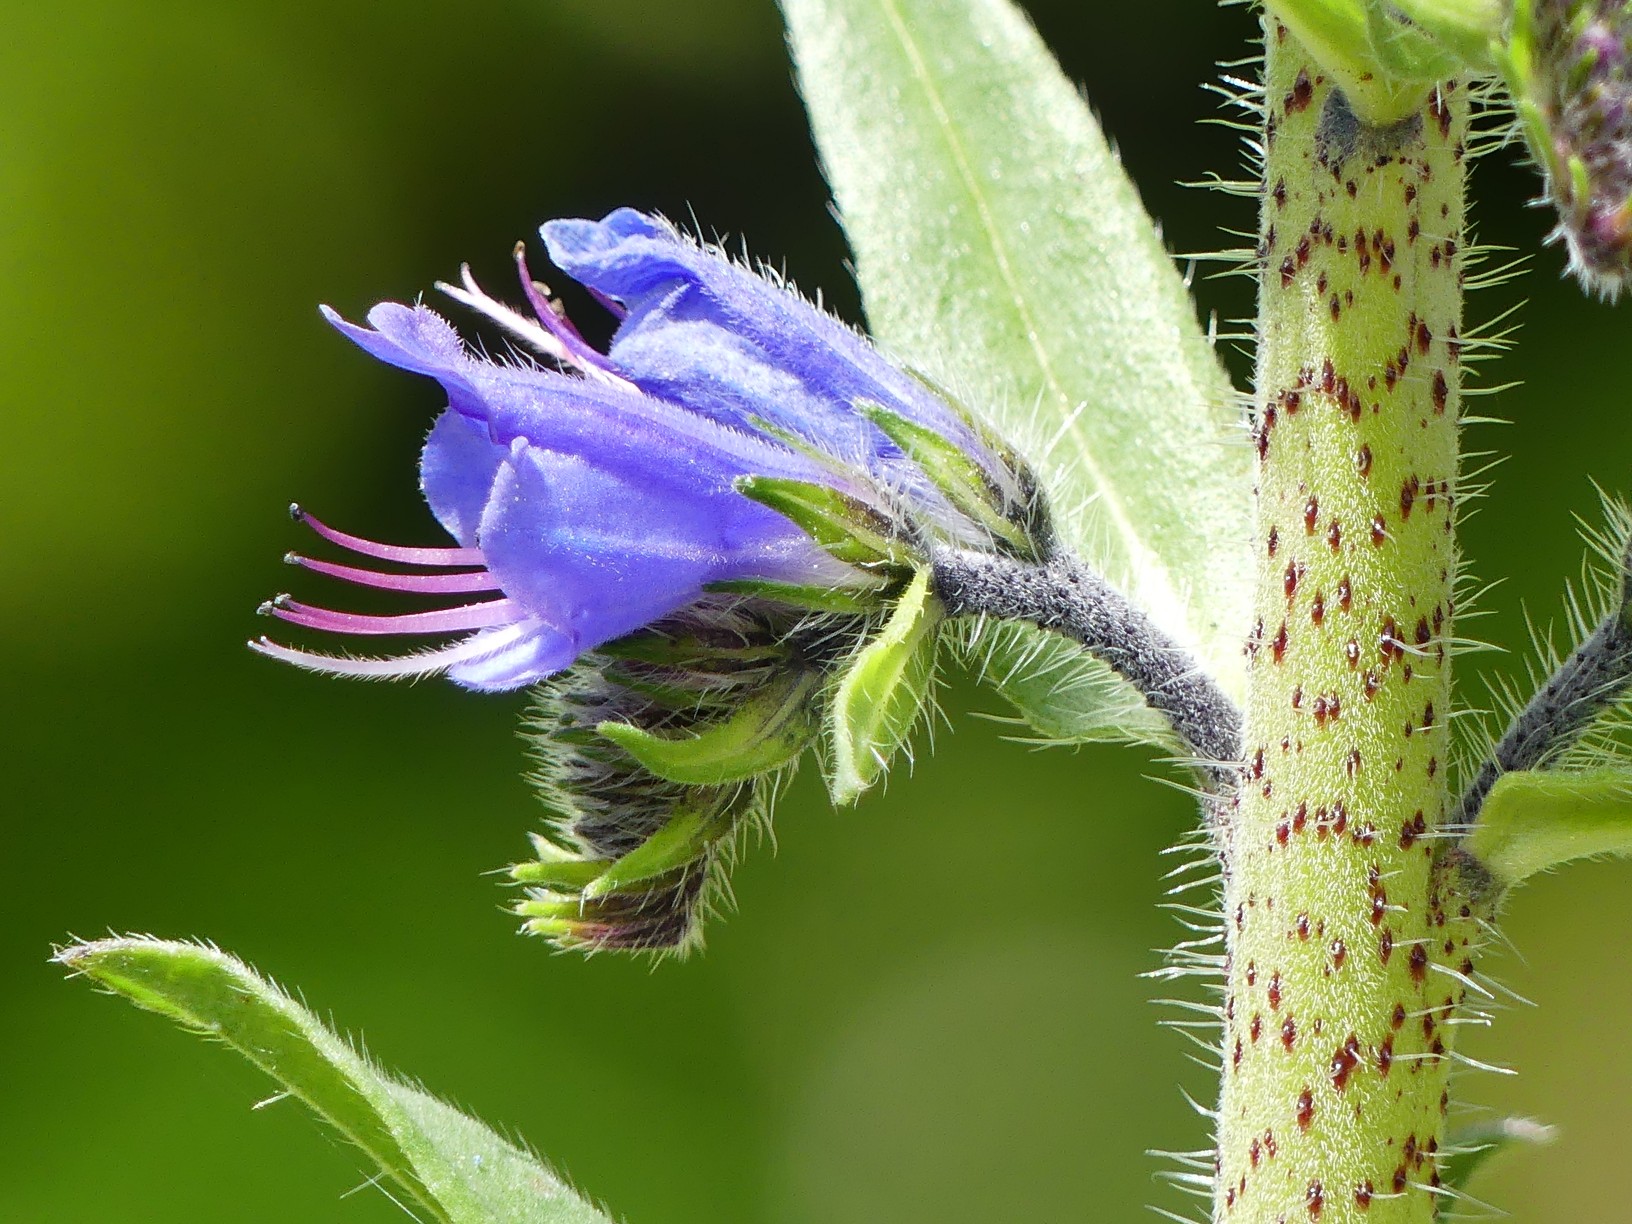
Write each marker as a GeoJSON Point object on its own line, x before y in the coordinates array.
{"type": "Point", "coordinates": [1343, 967]}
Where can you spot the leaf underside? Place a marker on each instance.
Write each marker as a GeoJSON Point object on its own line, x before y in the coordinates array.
{"type": "Point", "coordinates": [442, 1164]}
{"type": "Point", "coordinates": [1534, 819]}
{"type": "Point", "coordinates": [1001, 249]}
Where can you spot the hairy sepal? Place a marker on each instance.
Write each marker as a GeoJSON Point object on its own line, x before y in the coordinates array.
{"type": "Point", "coordinates": [882, 692]}
{"type": "Point", "coordinates": [767, 733]}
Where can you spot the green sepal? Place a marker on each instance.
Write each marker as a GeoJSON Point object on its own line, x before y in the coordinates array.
{"type": "Point", "coordinates": [846, 527]}
{"type": "Point", "coordinates": [552, 907]}
{"type": "Point", "coordinates": [964, 482]}
{"type": "Point", "coordinates": [548, 928]}
{"type": "Point", "coordinates": [1469, 1148]}
{"type": "Point", "coordinates": [856, 601]}
{"type": "Point", "coordinates": [1534, 819]}
{"type": "Point", "coordinates": [883, 689]}
{"type": "Point", "coordinates": [677, 844]}
{"type": "Point", "coordinates": [558, 871]}
{"type": "Point", "coordinates": [766, 733]}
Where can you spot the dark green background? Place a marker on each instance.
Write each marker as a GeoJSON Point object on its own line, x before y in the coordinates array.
{"type": "Point", "coordinates": [928, 1007]}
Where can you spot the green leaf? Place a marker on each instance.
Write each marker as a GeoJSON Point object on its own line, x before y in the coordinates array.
{"type": "Point", "coordinates": [446, 1166]}
{"type": "Point", "coordinates": [1066, 696]}
{"type": "Point", "coordinates": [1471, 1147]}
{"type": "Point", "coordinates": [1534, 819]}
{"type": "Point", "coordinates": [766, 733]}
{"type": "Point", "coordinates": [882, 692]}
{"type": "Point", "coordinates": [1001, 249]}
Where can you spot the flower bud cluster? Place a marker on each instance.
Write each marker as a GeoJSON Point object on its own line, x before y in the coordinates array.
{"type": "Point", "coordinates": [1570, 68]}
{"type": "Point", "coordinates": [654, 754]}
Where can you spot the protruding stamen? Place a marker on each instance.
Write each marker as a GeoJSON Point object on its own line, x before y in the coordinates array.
{"type": "Point", "coordinates": [558, 325]}
{"type": "Point", "coordinates": [420, 584]}
{"type": "Point", "coordinates": [425, 663]}
{"type": "Point", "coordinates": [612, 306]}
{"type": "Point", "coordinates": [401, 554]}
{"type": "Point", "coordinates": [487, 615]}
{"type": "Point", "coordinates": [566, 349]}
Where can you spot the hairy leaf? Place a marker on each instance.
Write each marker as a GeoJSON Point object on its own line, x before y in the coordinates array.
{"type": "Point", "coordinates": [1001, 249]}
{"type": "Point", "coordinates": [1066, 696]}
{"type": "Point", "coordinates": [1535, 819]}
{"type": "Point", "coordinates": [447, 1166]}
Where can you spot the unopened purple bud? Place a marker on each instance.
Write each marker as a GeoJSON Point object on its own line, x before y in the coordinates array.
{"type": "Point", "coordinates": [1570, 68]}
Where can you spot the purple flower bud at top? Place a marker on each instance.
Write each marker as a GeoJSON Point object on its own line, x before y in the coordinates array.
{"type": "Point", "coordinates": [598, 496]}
{"type": "Point", "coordinates": [730, 345]}
{"type": "Point", "coordinates": [1573, 82]}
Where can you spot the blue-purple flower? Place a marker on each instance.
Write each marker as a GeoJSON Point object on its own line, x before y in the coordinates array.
{"type": "Point", "coordinates": [593, 493]}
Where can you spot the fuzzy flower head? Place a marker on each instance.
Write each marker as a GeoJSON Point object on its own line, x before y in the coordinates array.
{"type": "Point", "coordinates": [732, 433]}
{"type": "Point", "coordinates": [1570, 64]}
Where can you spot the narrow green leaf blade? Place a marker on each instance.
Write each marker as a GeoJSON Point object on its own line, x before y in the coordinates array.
{"type": "Point", "coordinates": [1001, 249]}
{"type": "Point", "coordinates": [448, 1166]}
{"type": "Point", "coordinates": [1536, 818]}
{"type": "Point", "coordinates": [882, 692]}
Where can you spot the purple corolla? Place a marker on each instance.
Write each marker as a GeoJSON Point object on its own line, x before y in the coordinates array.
{"type": "Point", "coordinates": [598, 494]}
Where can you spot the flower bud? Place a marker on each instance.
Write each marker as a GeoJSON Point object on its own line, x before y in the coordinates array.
{"type": "Point", "coordinates": [1569, 65]}
{"type": "Point", "coordinates": [653, 753]}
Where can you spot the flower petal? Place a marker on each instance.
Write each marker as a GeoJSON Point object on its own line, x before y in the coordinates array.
{"type": "Point", "coordinates": [617, 424]}
{"type": "Point", "coordinates": [730, 344]}
{"type": "Point", "coordinates": [456, 472]}
{"type": "Point", "coordinates": [540, 653]}
{"type": "Point", "coordinates": [595, 554]}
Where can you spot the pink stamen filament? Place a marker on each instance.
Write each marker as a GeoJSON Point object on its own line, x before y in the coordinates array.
{"type": "Point", "coordinates": [561, 327]}
{"type": "Point", "coordinates": [424, 663]}
{"type": "Point", "coordinates": [558, 324]}
{"type": "Point", "coordinates": [488, 615]}
{"type": "Point", "coordinates": [423, 584]}
{"type": "Point", "coordinates": [402, 555]}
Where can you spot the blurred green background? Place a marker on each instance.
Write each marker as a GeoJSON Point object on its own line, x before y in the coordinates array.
{"type": "Point", "coordinates": [928, 1008]}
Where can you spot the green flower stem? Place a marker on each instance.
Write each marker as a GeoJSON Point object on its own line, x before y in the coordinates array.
{"type": "Point", "coordinates": [1342, 965]}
